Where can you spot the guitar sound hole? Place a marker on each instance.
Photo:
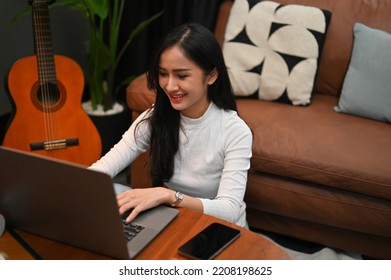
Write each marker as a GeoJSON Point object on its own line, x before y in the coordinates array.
{"type": "Point", "coordinates": [48, 94]}
{"type": "Point", "coordinates": [49, 97]}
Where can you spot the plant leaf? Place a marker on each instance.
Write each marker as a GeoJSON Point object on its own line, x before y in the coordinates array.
{"type": "Point", "coordinates": [93, 7]}
{"type": "Point", "coordinates": [134, 33]}
{"type": "Point", "coordinates": [72, 4]}
{"type": "Point", "coordinates": [101, 57]}
{"type": "Point", "coordinates": [21, 14]}
{"type": "Point", "coordinates": [99, 8]}
{"type": "Point", "coordinates": [143, 25]}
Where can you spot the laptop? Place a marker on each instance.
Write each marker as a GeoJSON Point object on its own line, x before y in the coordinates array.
{"type": "Point", "coordinates": [69, 203]}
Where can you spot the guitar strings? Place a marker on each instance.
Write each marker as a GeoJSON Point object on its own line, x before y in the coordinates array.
{"type": "Point", "coordinates": [38, 36]}
{"type": "Point", "coordinates": [41, 21]}
{"type": "Point", "coordinates": [46, 64]}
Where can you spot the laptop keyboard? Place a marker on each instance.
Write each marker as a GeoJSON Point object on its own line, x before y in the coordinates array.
{"type": "Point", "coordinates": [131, 229]}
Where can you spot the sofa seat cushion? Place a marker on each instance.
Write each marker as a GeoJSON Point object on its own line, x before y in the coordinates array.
{"type": "Point", "coordinates": [318, 145]}
{"type": "Point", "coordinates": [336, 208]}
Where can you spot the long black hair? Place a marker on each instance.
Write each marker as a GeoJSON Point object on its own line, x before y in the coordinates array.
{"type": "Point", "coordinates": [201, 47]}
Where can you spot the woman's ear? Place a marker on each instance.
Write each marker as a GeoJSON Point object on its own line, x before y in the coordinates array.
{"type": "Point", "coordinates": [212, 76]}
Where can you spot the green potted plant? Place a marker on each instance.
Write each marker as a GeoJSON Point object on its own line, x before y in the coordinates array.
{"type": "Point", "coordinates": [103, 20]}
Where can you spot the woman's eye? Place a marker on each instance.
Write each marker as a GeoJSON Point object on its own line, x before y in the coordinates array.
{"type": "Point", "coordinates": [161, 74]}
{"type": "Point", "coordinates": [182, 76]}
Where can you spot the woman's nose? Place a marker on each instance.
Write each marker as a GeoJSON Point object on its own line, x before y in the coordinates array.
{"type": "Point", "coordinates": [172, 84]}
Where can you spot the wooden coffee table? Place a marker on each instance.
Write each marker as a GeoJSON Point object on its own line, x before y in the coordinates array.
{"type": "Point", "coordinates": [12, 249]}
{"type": "Point", "coordinates": [249, 245]}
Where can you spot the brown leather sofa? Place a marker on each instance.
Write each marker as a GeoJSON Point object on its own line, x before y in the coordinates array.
{"type": "Point", "coordinates": [316, 175]}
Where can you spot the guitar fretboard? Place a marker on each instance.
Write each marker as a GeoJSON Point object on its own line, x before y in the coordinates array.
{"type": "Point", "coordinates": [43, 42]}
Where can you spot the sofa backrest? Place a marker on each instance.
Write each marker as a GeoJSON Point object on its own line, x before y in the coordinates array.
{"type": "Point", "coordinates": [339, 40]}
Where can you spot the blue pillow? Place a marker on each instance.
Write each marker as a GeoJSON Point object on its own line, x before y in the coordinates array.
{"type": "Point", "coordinates": [366, 90]}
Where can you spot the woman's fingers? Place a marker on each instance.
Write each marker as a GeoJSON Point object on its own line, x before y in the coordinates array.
{"type": "Point", "coordinates": [136, 201]}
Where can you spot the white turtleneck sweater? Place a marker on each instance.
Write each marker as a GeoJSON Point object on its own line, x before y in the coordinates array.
{"type": "Point", "coordinates": [211, 164]}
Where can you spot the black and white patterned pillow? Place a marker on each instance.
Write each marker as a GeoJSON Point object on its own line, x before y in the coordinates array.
{"type": "Point", "coordinates": [272, 51]}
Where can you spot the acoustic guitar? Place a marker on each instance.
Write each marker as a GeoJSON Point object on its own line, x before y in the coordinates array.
{"type": "Point", "coordinates": [46, 90]}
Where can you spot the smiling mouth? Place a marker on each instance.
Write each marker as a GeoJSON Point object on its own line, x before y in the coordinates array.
{"type": "Point", "coordinates": [176, 97]}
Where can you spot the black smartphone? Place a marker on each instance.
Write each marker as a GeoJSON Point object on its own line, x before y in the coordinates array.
{"type": "Point", "coordinates": [206, 244]}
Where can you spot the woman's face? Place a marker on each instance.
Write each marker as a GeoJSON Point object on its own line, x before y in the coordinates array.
{"type": "Point", "coordinates": [184, 82]}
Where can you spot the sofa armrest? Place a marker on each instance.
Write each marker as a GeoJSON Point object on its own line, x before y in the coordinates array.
{"type": "Point", "coordinates": [138, 96]}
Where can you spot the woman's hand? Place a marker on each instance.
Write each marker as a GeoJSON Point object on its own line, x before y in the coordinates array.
{"type": "Point", "coordinates": [138, 200]}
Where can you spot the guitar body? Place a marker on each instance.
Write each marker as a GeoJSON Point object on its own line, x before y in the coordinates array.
{"type": "Point", "coordinates": [36, 122]}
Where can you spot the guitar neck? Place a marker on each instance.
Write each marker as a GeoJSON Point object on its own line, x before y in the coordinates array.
{"type": "Point", "coordinates": [43, 42]}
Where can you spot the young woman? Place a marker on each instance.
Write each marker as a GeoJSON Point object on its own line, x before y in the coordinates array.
{"type": "Point", "coordinates": [200, 149]}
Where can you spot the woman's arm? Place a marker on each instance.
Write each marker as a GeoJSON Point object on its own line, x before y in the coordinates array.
{"type": "Point", "coordinates": [127, 149]}
{"type": "Point", "coordinates": [229, 201]}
